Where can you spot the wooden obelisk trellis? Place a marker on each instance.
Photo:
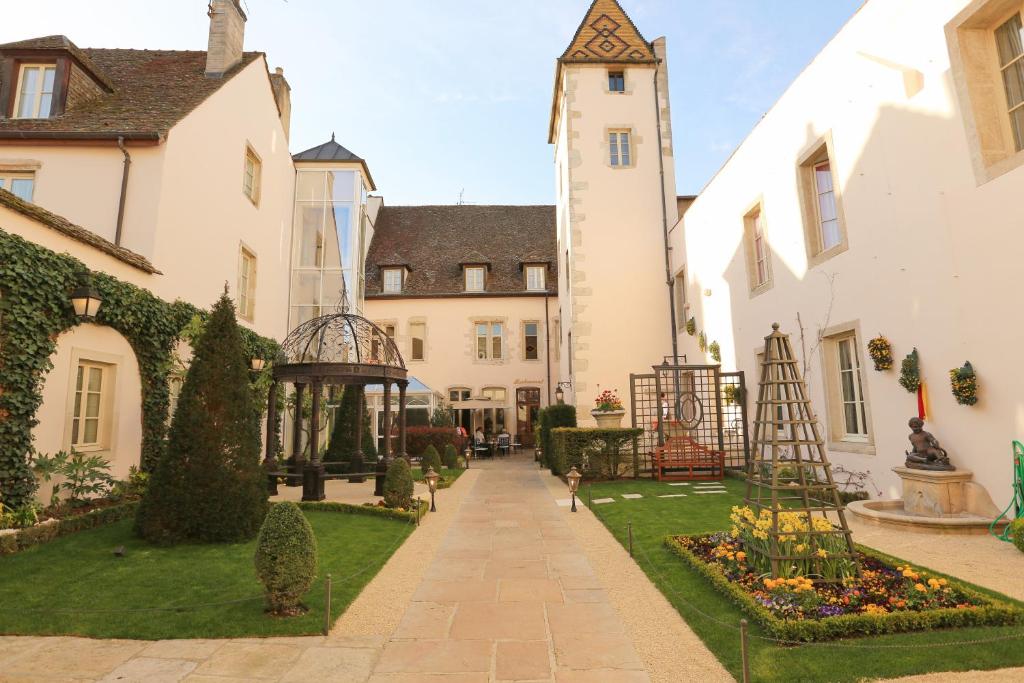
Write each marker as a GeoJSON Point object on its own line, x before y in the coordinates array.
{"type": "Point", "coordinates": [789, 470]}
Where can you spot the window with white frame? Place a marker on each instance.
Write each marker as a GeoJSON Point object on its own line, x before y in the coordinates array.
{"type": "Point", "coordinates": [246, 284]}
{"type": "Point", "coordinates": [35, 91]}
{"type": "Point", "coordinates": [758, 255]}
{"type": "Point", "coordinates": [848, 410]}
{"type": "Point", "coordinates": [488, 340]}
{"type": "Point", "coordinates": [475, 278]}
{"type": "Point", "coordinates": [821, 204]}
{"type": "Point", "coordinates": [92, 392]}
{"type": "Point", "coordinates": [531, 341]}
{"type": "Point", "coordinates": [618, 146]}
{"type": "Point", "coordinates": [494, 418]}
{"type": "Point", "coordinates": [392, 280]}
{"type": "Point", "coordinates": [1010, 46]}
{"type": "Point", "coordinates": [828, 218]}
{"type": "Point", "coordinates": [21, 185]}
{"type": "Point", "coordinates": [418, 334]}
{"type": "Point", "coordinates": [251, 175]}
{"type": "Point", "coordinates": [535, 278]}
{"type": "Point", "coordinates": [855, 423]}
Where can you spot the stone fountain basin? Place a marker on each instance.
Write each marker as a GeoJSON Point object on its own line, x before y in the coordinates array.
{"type": "Point", "coordinates": [891, 513]}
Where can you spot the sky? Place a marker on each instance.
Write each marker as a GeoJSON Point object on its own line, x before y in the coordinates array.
{"type": "Point", "coordinates": [451, 98]}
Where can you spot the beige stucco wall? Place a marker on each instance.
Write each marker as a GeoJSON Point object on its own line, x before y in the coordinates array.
{"type": "Point", "coordinates": [931, 256]}
{"type": "Point", "coordinates": [123, 415]}
{"type": "Point", "coordinates": [611, 222]}
{"type": "Point", "coordinates": [450, 359]}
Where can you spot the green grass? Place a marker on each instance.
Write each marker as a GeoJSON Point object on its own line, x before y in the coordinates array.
{"type": "Point", "coordinates": [716, 620]}
{"type": "Point", "coordinates": [448, 475]}
{"type": "Point", "coordinates": [76, 586]}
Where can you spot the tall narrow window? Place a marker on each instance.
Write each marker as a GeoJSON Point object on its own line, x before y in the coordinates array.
{"type": "Point", "coordinates": [35, 91]}
{"type": "Point", "coordinates": [488, 341]}
{"type": "Point", "coordinates": [251, 176]}
{"type": "Point", "coordinates": [855, 424]}
{"type": "Point", "coordinates": [246, 284]}
{"type": "Point", "coordinates": [389, 330]}
{"type": "Point", "coordinates": [679, 288]}
{"type": "Point", "coordinates": [758, 254]}
{"type": "Point", "coordinates": [475, 279]}
{"type": "Point", "coordinates": [530, 339]}
{"type": "Point", "coordinates": [616, 81]}
{"type": "Point", "coordinates": [392, 280]}
{"type": "Point", "coordinates": [535, 278]}
{"type": "Point", "coordinates": [21, 185]}
{"type": "Point", "coordinates": [618, 145]}
{"type": "Point", "coordinates": [418, 333]}
{"type": "Point", "coordinates": [828, 218]}
{"type": "Point", "coordinates": [87, 414]}
{"type": "Point", "coordinates": [1009, 39]}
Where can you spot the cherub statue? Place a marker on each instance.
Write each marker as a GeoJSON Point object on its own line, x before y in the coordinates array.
{"type": "Point", "coordinates": [927, 454]}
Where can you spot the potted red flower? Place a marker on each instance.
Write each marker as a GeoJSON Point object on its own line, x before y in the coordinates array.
{"type": "Point", "coordinates": [608, 409]}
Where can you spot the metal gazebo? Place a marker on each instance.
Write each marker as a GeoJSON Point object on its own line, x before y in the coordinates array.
{"type": "Point", "coordinates": [339, 349]}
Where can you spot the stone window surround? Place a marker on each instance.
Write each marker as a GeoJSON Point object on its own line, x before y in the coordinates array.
{"type": "Point", "coordinates": [250, 315]}
{"type": "Point", "coordinates": [634, 144]}
{"type": "Point", "coordinates": [540, 339]}
{"type": "Point", "coordinates": [418, 320]}
{"type": "Point", "coordinates": [682, 302]}
{"type": "Point", "coordinates": [970, 38]}
{"type": "Point", "coordinates": [506, 351]}
{"type": "Point", "coordinates": [108, 411]}
{"type": "Point", "coordinates": [754, 210]}
{"type": "Point", "coordinates": [627, 81]}
{"type": "Point", "coordinates": [820, 150]}
{"type": "Point", "coordinates": [833, 395]}
{"type": "Point", "coordinates": [250, 152]}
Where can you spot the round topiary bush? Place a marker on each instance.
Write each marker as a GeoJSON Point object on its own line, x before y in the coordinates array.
{"type": "Point", "coordinates": [398, 485]}
{"type": "Point", "coordinates": [430, 458]}
{"type": "Point", "coordinates": [286, 561]}
{"type": "Point", "coordinates": [1017, 533]}
{"type": "Point", "coordinates": [451, 457]}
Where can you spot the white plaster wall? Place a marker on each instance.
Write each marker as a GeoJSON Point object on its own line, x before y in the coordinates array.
{"type": "Point", "coordinates": [100, 344]}
{"type": "Point", "coordinates": [204, 216]}
{"type": "Point", "coordinates": [931, 256]}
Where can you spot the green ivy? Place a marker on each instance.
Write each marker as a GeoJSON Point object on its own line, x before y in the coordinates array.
{"type": "Point", "coordinates": [35, 308]}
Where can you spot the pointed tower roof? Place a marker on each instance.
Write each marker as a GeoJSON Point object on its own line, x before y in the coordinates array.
{"type": "Point", "coordinates": [607, 34]}
{"type": "Point", "coordinates": [330, 152]}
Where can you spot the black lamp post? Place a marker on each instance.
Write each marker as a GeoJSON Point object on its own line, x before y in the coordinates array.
{"type": "Point", "coordinates": [86, 302]}
{"type": "Point", "coordinates": [574, 484]}
{"type": "Point", "coordinates": [560, 392]}
{"type": "Point", "coordinates": [432, 478]}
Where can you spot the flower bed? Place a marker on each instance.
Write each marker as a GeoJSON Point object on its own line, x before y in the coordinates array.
{"type": "Point", "coordinates": [891, 596]}
{"type": "Point", "coordinates": [14, 541]}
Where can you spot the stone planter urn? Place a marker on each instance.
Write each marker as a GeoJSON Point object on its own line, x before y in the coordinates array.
{"type": "Point", "coordinates": [608, 419]}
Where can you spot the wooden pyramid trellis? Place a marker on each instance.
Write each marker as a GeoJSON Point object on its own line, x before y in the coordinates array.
{"type": "Point", "coordinates": [789, 472]}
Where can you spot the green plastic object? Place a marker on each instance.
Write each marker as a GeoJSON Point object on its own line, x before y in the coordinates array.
{"type": "Point", "coordinates": [1017, 504]}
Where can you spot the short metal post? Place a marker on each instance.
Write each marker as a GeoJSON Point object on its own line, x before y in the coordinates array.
{"type": "Point", "coordinates": [629, 530]}
{"type": "Point", "coordinates": [327, 607]}
{"type": "Point", "coordinates": [744, 651]}
{"type": "Point", "coordinates": [419, 507]}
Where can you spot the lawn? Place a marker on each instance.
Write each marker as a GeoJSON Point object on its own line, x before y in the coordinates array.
{"type": "Point", "coordinates": [448, 475]}
{"type": "Point", "coordinates": [76, 586]}
{"type": "Point", "coordinates": [716, 620]}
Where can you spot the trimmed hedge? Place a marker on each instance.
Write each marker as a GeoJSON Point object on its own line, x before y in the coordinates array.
{"type": "Point", "coordinates": [552, 417]}
{"type": "Point", "coordinates": [1017, 533]}
{"type": "Point", "coordinates": [350, 509]}
{"type": "Point", "coordinates": [993, 613]}
{"type": "Point", "coordinates": [591, 450]}
{"type": "Point", "coordinates": [418, 438]}
{"type": "Point", "coordinates": [23, 539]}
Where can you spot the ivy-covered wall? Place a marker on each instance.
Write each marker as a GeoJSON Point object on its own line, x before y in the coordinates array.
{"type": "Point", "coordinates": [35, 308]}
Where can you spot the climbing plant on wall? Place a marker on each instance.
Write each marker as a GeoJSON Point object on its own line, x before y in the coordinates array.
{"type": "Point", "coordinates": [35, 284]}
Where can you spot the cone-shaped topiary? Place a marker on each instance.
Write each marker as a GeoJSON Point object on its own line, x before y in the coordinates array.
{"type": "Point", "coordinates": [398, 485]}
{"type": "Point", "coordinates": [356, 465]}
{"type": "Point", "coordinates": [343, 437]}
{"type": "Point", "coordinates": [451, 457]}
{"type": "Point", "coordinates": [209, 485]}
{"type": "Point", "coordinates": [286, 561]}
{"type": "Point", "coordinates": [430, 458]}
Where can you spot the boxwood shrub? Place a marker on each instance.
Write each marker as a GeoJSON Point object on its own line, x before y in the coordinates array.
{"type": "Point", "coordinates": [552, 417]}
{"type": "Point", "coordinates": [597, 452]}
{"type": "Point", "coordinates": [1017, 533]}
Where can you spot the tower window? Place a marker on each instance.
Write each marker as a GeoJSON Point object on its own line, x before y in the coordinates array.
{"type": "Point", "coordinates": [618, 145]}
{"type": "Point", "coordinates": [616, 81]}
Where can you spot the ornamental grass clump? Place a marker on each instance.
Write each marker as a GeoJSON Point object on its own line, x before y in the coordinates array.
{"type": "Point", "coordinates": [430, 458]}
{"type": "Point", "coordinates": [286, 558]}
{"type": "Point", "coordinates": [398, 485]}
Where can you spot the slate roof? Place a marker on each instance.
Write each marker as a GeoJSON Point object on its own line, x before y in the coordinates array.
{"type": "Point", "coordinates": [151, 91]}
{"type": "Point", "coordinates": [331, 151]}
{"type": "Point", "coordinates": [76, 232]}
{"type": "Point", "coordinates": [435, 240]}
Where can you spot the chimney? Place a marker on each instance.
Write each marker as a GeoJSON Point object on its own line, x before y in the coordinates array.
{"type": "Point", "coordinates": [227, 30]}
{"type": "Point", "coordinates": [283, 97]}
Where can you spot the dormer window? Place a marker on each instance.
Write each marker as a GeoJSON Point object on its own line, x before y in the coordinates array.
{"type": "Point", "coordinates": [35, 91]}
{"type": "Point", "coordinates": [474, 278]}
{"type": "Point", "coordinates": [535, 279]}
{"type": "Point", "coordinates": [393, 280]}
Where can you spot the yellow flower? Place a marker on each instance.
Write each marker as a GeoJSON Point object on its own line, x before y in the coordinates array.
{"type": "Point", "coordinates": [822, 552]}
{"type": "Point", "coordinates": [800, 547]}
{"type": "Point", "coordinates": [920, 587]}
{"type": "Point", "coordinates": [741, 556]}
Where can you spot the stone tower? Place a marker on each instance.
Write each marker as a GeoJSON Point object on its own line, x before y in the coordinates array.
{"type": "Point", "coordinates": [615, 185]}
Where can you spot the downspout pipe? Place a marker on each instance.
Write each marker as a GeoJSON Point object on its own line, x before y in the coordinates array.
{"type": "Point", "coordinates": [547, 345]}
{"type": "Point", "coordinates": [124, 189]}
{"type": "Point", "coordinates": [664, 218]}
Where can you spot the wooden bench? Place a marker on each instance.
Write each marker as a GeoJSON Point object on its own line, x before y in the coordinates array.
{"type": "Point", "coordinates": [683, 459]}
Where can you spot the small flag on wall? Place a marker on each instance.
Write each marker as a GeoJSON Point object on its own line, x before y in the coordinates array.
{"type": "Point", "coordinates": [922, 402]}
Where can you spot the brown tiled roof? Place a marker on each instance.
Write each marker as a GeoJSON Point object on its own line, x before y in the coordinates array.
{"type": "Point", "coordinates": [607, 34]}
{"type": "Point", "coordinates": [152, 91]}
{"type": "Point", "coordinates": [76, 232]}
{"type": "Point", "coordinates": [435, 240]}
{"type": "Point", "coordinates": [61, 43]}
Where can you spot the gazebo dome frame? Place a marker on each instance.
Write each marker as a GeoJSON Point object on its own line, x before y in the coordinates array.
{"type": "Point", "coordinates": [337, 349]}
